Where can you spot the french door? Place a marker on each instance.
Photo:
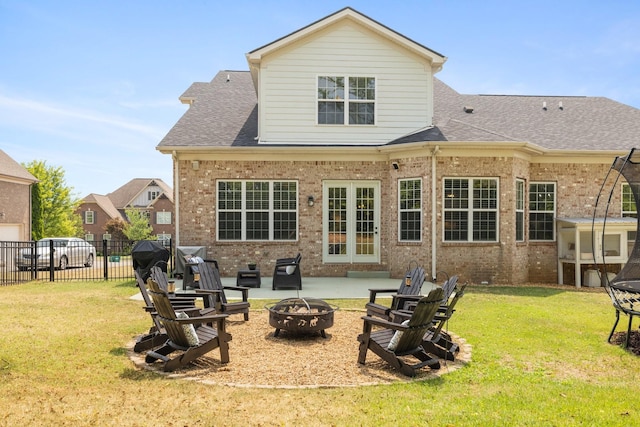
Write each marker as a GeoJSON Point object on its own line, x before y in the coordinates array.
{"type": "Point", "coordinates": [351, 220]}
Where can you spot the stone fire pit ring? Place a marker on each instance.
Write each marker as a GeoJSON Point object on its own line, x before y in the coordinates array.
{"type": "Point", "coordinates": [301, 315]}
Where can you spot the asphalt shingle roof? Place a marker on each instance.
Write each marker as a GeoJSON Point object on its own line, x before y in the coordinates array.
{"type": "Point", "coordinates": [225, 113]}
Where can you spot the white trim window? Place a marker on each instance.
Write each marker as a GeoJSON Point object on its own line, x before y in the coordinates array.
{"type": "Point", "coordinates": [89, 217]}
{"type": "Point", "coordinates": [257, 210]}
{"type": "Point", "coordinates": [164, 238]}
{"type": "Point", "coordinates": [629, 208]}
{"type": "Point", "coordinates": [357, 108]}
{"type": "Point", "coordinates": [519, 210]}
{"type": "Point", "coordinates": [470, 209]}
{"type": "Point", "coordinates": [106, 236]}
{"type": "Point", "coordinates": [163, 217]}
{"type": "Point", "coordinates": [542, 211]}
{"type": "Point", "coordinates": [410, 210]}
{"type": "Point", "coordinates": [89, 237]}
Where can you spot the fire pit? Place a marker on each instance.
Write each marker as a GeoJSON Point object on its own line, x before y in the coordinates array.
{"type": "Point", "coordinates": [301, 315]}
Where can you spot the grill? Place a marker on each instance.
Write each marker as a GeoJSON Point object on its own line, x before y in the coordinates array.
{"type": "Point", "coordinates": [301, 316]}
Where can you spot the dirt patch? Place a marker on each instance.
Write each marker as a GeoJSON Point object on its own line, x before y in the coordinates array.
{"type": "Point", "coordinates": [258, 359]}
{"type": "Point", "coordinates": [634, 341]}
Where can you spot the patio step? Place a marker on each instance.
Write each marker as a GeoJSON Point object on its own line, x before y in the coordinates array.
{"type": "Point", "coordinates": [368, 274]}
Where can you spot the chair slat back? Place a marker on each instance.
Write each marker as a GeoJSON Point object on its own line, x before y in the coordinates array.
{"type": "Point", "coordinates": [160, 277]}
{"type": "Point", "coordinates": [450, 308]}
{"type": "Point", "coordinates": [416, 280]}
{"type": "Point", "coordinates": [167, 314]}
{"type": "Point", "coordinates": [420, 321]}
{"type": "Point", "coordinates": [210, 280]}
{"type": "Point", "coordinates": [448, 287]}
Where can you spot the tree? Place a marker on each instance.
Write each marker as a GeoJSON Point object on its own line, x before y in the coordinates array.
{"type": "Point", "coordinates": [138, 227]}
{"type": "Point", "coordinates": [54, 207]}
{"type": "Point", "coordinates": [115, 227]}
{"type": "Point", "coordinates": [37, 222]}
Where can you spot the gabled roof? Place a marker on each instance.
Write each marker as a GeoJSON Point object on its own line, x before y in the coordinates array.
{"type": "Point", "coordinates": [125, 195]}
{"type": "Point", "coordinates": [104, 203]}
{"type": "Point", "coordinates": [255, 56]}
{"type": "Point", "coordinates": [10, 170]}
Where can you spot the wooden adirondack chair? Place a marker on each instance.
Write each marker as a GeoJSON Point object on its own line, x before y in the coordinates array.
{"type": "Point", "coordinates": [438, 342]}
{"type": "Point", "coordinates": [210, 282]}
{"type": "Point", "coordinates": [408, 302]}
{"type": "Point", "coordinates": [156, 335]}
{"type": "Point", "coordinates": [410, 285]}
{"type": "Point", "coordinates": [409, 344]}
{"type": "Point", "coordinates": [191, 336]}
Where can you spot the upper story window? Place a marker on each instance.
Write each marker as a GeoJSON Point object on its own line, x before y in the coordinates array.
{"type": "Point", "coordinates": [542, 210]}
{"type": "Point", "coordinates": [89, 217]}
{"type": "Point", "coordinates": [357, 108]}
{"type": "Point", "coordinates": [257, 210]}
{"type": "Point", "coordinates": [410, 210]}
{"type": "Point", "coordinates": [163, 217]}
{"type": "Point", "coordinates": [471, 210]}
{"type": "Point", "coordinates": [152, 195]}
{"type": "Point", "coordinates": [629, 208]}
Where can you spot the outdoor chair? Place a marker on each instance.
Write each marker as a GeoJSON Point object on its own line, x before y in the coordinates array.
{"type": "Point", "coordinates": [211, 283]}
{"type": "Point", "coordinates": [411, 285]}
{"type": "Point", "coordinates": [398, 349]}
{"type": "Point", "coordinates": [286, 273]}
{"type": "Point", "coordinates": [436, 341]}
{"type": "Point", "coordinates": [156, 335]}
{"type": "Point", "coordinates": [190, 336]}
{"type": "Point", "coordinates": [407, 302]}
{"type": "Point", "coordinates": [625, 296]}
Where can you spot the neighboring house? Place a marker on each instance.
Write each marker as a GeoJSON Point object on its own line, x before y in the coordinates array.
{"type": "Point", "coordinates": [15, 200]}
{"type": "Point", "coordinates": [340, 143]}
{"type": "Point", "coordinates": [149, 195]}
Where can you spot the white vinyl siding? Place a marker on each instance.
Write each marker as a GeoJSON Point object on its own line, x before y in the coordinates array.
{"type": "Point", "coordinates": [288, 88]}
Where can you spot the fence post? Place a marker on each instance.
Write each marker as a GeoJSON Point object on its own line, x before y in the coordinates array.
{"type": "Point", "coordinates": [52, 276]}
{"type": "Point", "coordinates": [105, 259]}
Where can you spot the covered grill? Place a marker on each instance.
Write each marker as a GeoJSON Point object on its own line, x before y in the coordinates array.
{"type": "Point", "coordinates": [146, 254]}
{"type": "Point", "coordinates": [301, 315]}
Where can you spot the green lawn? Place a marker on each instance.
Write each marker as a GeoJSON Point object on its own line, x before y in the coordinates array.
{"type": "Point", "coordinates": [539, 357]}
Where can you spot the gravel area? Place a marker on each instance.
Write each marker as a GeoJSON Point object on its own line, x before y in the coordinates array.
{"type": "Point", "coordinates": [258, 359]}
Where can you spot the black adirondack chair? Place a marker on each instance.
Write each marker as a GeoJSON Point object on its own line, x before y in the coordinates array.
{"type": "Point", "coordinates": [210, 282]}
{"type": "Point", "coordinates": [190, 337]}
{"type": "Point", "coordinates": [408, 346]}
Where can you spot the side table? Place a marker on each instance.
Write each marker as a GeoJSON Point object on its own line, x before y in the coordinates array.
{"type": "Point", "coordinates": [248, 278]}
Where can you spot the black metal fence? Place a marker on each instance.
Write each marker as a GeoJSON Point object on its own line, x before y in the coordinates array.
{"type": "Point", "coordinates": [19, 262]}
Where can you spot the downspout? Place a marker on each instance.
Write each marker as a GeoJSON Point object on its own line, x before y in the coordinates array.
{"type": "Point", "coordinates": [176, 195]}
{"type": "Point", "coordinates": [434, 216]}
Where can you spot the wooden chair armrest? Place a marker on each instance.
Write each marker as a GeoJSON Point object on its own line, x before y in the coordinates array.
{"type": "Point", "coordinates": [243, 289]}
{"type": "Point", "coordinates": [374, 292]}
{"type": "Point", "coordinates": [203, 319]}
{"type": "Point", "coordinates": [384, 323]}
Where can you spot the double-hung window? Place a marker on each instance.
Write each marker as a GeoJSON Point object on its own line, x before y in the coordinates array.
{"type": "Point", "coordinates": [519, 210]}
{"type": "Point", "coordinates": [163, 217]}
{"type": "Point", "coordinates": [410, 210]}
{"type": "Point", "coordinates": [89, 217]}
{"type": "Point", "coordinates": [257, 210]}
{"type": "Point", "coordinates": [542, 209]}
{"type": "Point", "coordinates": [470, 209]}
{"type": "Point", "coordinates": [346, 100]}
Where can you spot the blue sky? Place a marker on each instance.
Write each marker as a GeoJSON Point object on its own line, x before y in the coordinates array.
{"type": "Point", "coordinates": [93, 86]}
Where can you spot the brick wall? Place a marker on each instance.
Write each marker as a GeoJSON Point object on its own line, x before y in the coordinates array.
{"type": "Point", "coordinates": [505, 261]}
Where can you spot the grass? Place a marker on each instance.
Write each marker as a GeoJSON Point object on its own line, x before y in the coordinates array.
{"type": "Point", "coordinates": [540, 357]}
